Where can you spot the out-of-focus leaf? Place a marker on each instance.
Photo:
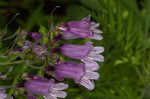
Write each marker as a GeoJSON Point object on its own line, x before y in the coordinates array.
{"type": "Point", "coordinates": [43, 30]}
{"type": "Point", "coordinates": [77, 12]}
{"type": "Point", "coordinates": [92, 4]}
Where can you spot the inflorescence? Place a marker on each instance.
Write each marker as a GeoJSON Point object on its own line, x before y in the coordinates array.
{"type": "Point", "coordinates": [49, 51]}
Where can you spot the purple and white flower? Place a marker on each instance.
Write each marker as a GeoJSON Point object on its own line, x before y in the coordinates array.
{"type": "Point", "coordinates": [83, 74]}
{"type": "Point", "coordinates": [85, 52]}
{"type": "Point", "coordinates": [47, 88]}
{"type": "Point", "coordinates": [3, 95]}
{"type": "Point", "coordinates": [90, 75]}
{"type": "Point", "coordinates": [81, 29]}
{"type": "Point", "coordinates": [39, 50]}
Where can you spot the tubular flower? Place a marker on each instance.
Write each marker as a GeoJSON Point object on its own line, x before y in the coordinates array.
{"type": "Point", "coordinates": [39, 50]}
{"type": "Point", "coordinates": [81, 73]}
{"type": "Point", "coordinates": [85, 52]}
{"type": "Point", "coordinates": [81, 29]}
{"type": "Point", "coordinates": [69, 70]}
{"type": "Point", "coordinates": [3, 95]}
{"type": "Point", "coordinates": [35, 35]}
{"type": "Point", "coordinates": [47, 88]}
{"type": "Point", "coordinates": [30, 96]}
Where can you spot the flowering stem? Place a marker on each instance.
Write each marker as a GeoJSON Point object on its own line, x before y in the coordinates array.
{"type": "Point", "coordinates": [34, 67]}
{"type": "Point", "coordinates": [16, 62]}
{"type": "Point", "coordinates": [9, 37]}
{"type": "Point", "coordinates": [8, 86]}
{"type": "Point", "coordinates": [11, 91]}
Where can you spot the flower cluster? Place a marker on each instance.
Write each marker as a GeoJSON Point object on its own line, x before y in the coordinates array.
{"type": "Point", "coordinates": [52, 63]}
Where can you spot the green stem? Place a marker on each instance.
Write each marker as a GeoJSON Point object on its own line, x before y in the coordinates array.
{"type": "Point", "coordinates": [11, 91]}
{"type": "Point", "coordinates": [34, 67]}
{"type": "Point", "coordinates": [7, 86]}
{"type": "Point", "coordinates": [16, 62]}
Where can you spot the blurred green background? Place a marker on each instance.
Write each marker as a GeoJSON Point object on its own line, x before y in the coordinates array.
{"type": "Point", "coordinates": [125, 74]}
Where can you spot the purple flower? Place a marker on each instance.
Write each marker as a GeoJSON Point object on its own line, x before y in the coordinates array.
{"type": "Point", "coordinates": [83, 52]}
{"type": "Point", "coordinates": [30, 96]}
{"type": "Point", "coordinates": [81, 73]}
{"type": "Point", "coordinates": [26, 45]}
{"type": "Point", "coordinates": [90, 75]}
{"type": "Point", "coordinates": [39, 50]}
{"type": "Point", "coordinates": [69, 70]}
{"type": "Point", "coordinates": [81, 29]}
{"type": "Point", "coordinates": [3, 95]}
{"type": "Point", "coordinates": [46, 88]}
{"type": "Point", "coordinates": [18, 50]}
{"type": "Point", "coordinates": [35, 35]}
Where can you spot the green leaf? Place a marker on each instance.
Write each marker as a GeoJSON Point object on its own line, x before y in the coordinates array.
{"type": "Point", "coordinates": [43, 30]}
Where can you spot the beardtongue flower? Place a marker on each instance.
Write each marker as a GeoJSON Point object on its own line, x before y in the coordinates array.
{"type": "Point", "coordinates": [81, 73]}
{"type": "Point", "coordinates": [47, 88]}
{"type": "Point", "coordinates": [85, 52]}
{"type": "Point", "coordinates": [35, 35]}
{"type": "Point", "coordinates": [26, 45]}
{"type": "Point", "coordinates": [69, 70]}
{"type": "Point", "coordinates": [3, 95]}
{"type": "Point", "coordinates": [29, 96]}
{"type": "Point", "coordinates": [81, 29]}
{"type": "Point", "coordinates": [39, 50]}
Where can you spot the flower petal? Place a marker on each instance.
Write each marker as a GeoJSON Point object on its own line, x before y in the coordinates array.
{"type": "Point", "coordinates": [96, 57]}
{"type": "Point", "coordinates": [60, 86]}
{"type": "Point", "coordinates": [91, 65]}
{"type": "Point", "coordinates": [96, 37]}
{"type": "Point", "coordinates": [92, 75]}
{"type": "Point", "coordinates": [88, 18]}
{"type": "Point", "coordinates": [97, 50]}
{"type": "Point", "coordinates": [50, 97]}
{"type": "Point", "coordinates": [88, 84]}
{"type": "Point", "coordinates": [94, 25]}
{"type": "Point", "coordinates": [67, 35]}
{"type": "Point", "coordinates": [60, 94]}
{"type": "Point", "coordinates": [97, 31]}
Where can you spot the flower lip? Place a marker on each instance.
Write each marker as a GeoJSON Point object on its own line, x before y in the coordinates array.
{"type": "Point", "coordinates": [46, 88]}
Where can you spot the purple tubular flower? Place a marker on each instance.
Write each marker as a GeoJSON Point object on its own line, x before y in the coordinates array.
{"type": "Point", "coordinates": [3, 95]}
{"type": "Point", "coordinates": [30, 96]}
{"type": "Point", "coordinates": [76, 51]}
{"type": "Point", "coordinates": [26, 45]}
{"type": "Point", "coordinates": [81, 73]}
{"type": "Point", "coordinates": [46, 88]}
{"type": "Point", "coordinates": [69, 70]}
{"type": "Point", "coordinates": [18, 50]}
{"type": "Point", "coordinates": [35, 35]}
{"type": "Point", "coordinates": [83, 52]}
{"type": "Point", "coordinates": [81, 29]}
{"type": "Point", "coordinates": [39, 50]}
